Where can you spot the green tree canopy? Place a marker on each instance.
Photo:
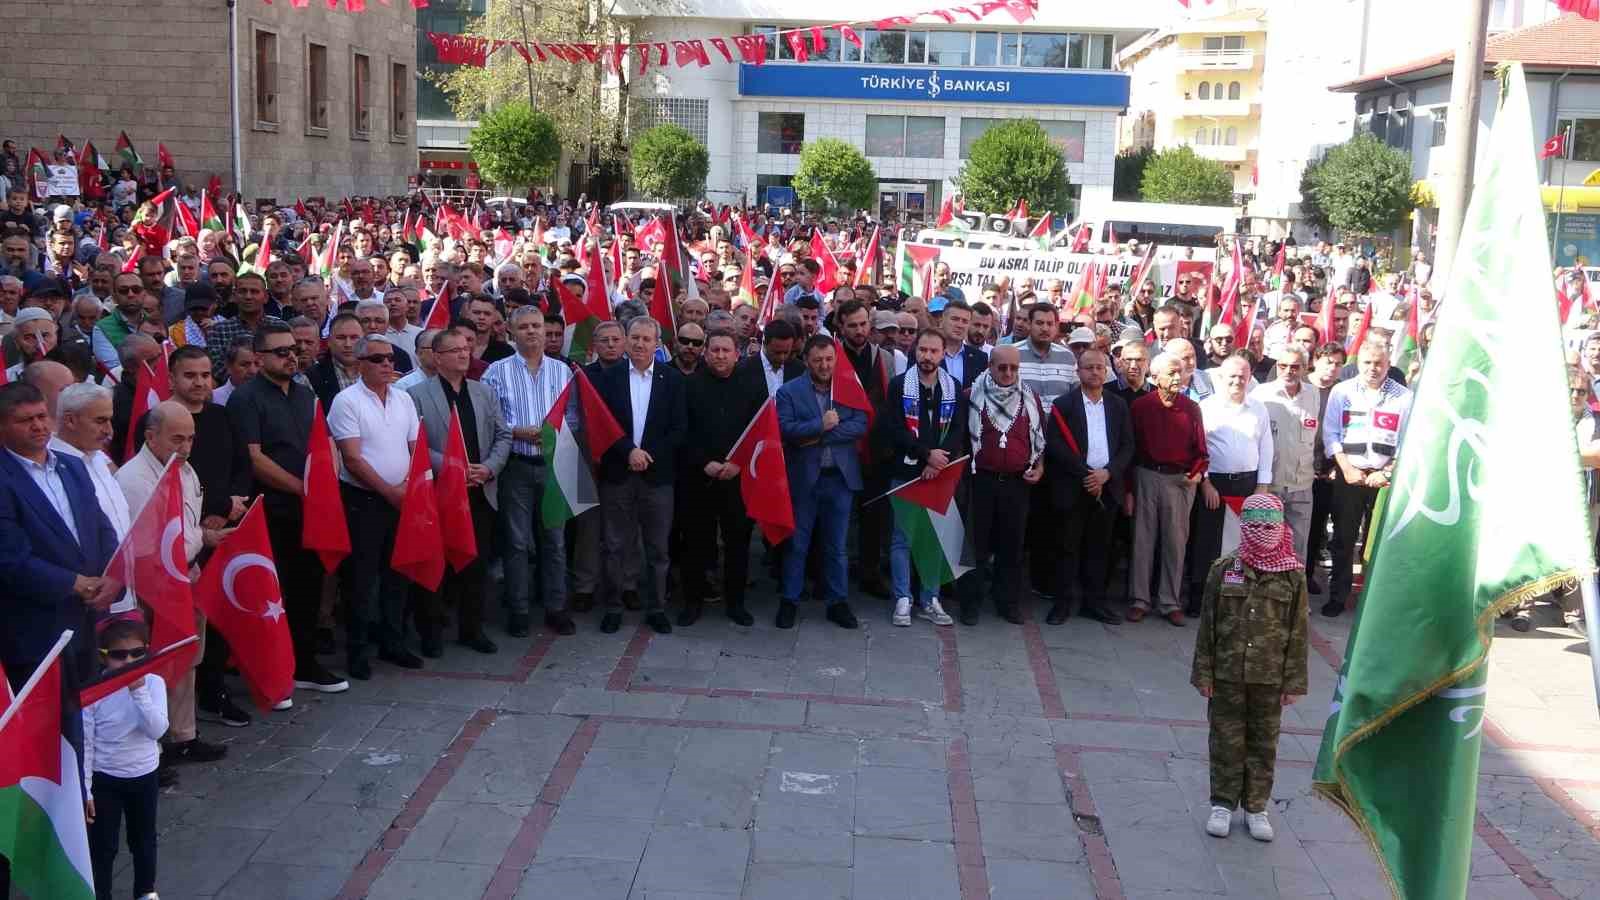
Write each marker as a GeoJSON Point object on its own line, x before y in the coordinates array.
{"type": "Point", "coordinates": [833, 174]}
{"type": "Point", "coordinates": [1179, 175]}
{"type": "Point", "coordinates": [1013, 161]}
{"type": "Point", "coordinates": [515, 146]}
{"type": "Point", "coordinates": [1129, 173]}
{"type": "Point", "coordinates": [1362, 186]}
{"type": "Point", "coordinates": [667, 162]}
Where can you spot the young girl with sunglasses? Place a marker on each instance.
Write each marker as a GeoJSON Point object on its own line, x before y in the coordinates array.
{"type": "Point", "coordinates": [120, 753]}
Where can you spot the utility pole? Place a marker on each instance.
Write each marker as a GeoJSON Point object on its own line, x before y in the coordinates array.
{"type": "Point", "coordinates": [522, 16]}
{"type": "Point", "coordinates": [1461, 136]}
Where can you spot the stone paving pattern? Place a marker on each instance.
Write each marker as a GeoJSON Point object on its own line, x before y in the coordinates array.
{"type": "Point", "coordinates": [1024, 763]}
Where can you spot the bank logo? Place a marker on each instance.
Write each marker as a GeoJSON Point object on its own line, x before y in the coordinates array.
{"type": "Point", "coordinates": [933, 85]}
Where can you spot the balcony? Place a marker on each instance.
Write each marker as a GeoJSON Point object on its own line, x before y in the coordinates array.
{"type": "Point", "coordinates": [1226, 153]}
{"type": "Point", "coordinates": [1219, 109]}
{"type": "Point", "coordinates": [1218, 60]}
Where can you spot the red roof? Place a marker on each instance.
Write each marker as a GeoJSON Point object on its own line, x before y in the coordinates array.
{"type": "Point", "coordinates": [1569, 42]}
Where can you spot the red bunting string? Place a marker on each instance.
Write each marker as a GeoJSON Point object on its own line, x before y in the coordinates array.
{"type": "Point", "coordinates": [804, 43]}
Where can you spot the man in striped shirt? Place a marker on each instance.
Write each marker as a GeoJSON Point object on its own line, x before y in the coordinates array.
{"type": "Point", "coordinates": [527, 384]}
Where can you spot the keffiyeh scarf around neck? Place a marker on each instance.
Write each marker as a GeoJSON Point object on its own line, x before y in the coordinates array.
{"type": "Point", "coordinates": [1265, 542]}
{"type": "Point", "coordinates": [1001, 405]}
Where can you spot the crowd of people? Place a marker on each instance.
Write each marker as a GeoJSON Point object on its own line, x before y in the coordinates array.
{"type": "Point", "coordinates": [1109, 448]}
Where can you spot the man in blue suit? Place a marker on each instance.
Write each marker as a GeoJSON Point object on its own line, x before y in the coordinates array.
{"type": "Point", "coordinates": [824, 473]}
{"type": "Point", "coordinates": [54, 543]}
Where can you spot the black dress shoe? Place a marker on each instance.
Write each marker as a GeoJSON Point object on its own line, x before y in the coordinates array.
{"type": "Point", "coordinates": [360, 670]}
{"type": "Point", "coordinates": [1011, 613]}
{"type": "Point", "coordinates": [1333, 608]}
{"type": "Point", "coordinates": [630, 599]}
{"type": "Point", "coordinates": [582, 602]}
{"type": "Point", "coordinates": [740, 616]}
{"type": "Point", "coordinates": [432, 646]}
{"type": "Point", "coordinates": [1105, 616]}
{"type": "Point", "coordinates": [193, 750]}
{"type": "Point", "coordinates": [840, 615]}
{"type": "Point", "coordinates": [517, 624]}
{"type": "Point", "coordinates": [786, 614]}
{"type": "Point", "coordinates": [660, 622]}
{"type": "Point", "coordinates": [1058, 614]}
{"type": "Point", "coordinates": [969, 614]}
{"type": "Point", "coordinates": [480, 643]}
{"type": "Point", "coordinates": [610, 622]}
{"type": "Point", "coordinates": [403, 658]}
{"type": "Point", "coordinates": [560, 623]}
{"type": "Point", "coordinates": [690, 614]}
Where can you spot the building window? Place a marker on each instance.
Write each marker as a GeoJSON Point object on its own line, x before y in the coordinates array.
{"type": "Point", "coordinates": [771, 181]}
{"type": "Point", "coordinates": [1065, 134]}
{"type": "Point", "coordinates": [1218, 44]}
{"type": "Point", "coordinates": [917, 47]}
{"type": "Point", "coordinates": [1200, 137]}
{"type": "Point", "coordinates": [986, 48]}
{"type": "Point", "coordinates": [317, 104]}
{"type": "Point", "coordinates": [1044, 51]}
{"type": "Point", "coordinates": [1233, 90]}
{"type": "Point", "coordinates": [688, 113]}
{"type": "Point", "coordinates": [780, 132]}
{"type": "Point", "coordinates": [399, 105]}
{"type": "Point", "coordinates": [1102, 51]}
{"type": "Point", "coordinates": [884, 46]}
{"type": "Point", "coordinates": [1231, 136]}
{"type": "Point", "coordinates": [951, 48]}
{"type": "Point", "coordinates": [1440, 118]}
{"type": "Point", "coordinates": [1205, 90]}
{"type": "Point", "coordinates": [905, 137]}
{"type": "Point", "coordinates": [360, 94]}
{"type": "Point", "coordinates": [1216, 91]}
{"type": "Point", "coordinates": [266, 78]}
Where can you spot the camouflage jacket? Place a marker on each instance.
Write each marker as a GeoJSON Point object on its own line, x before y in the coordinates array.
{"type": "Point", "coordinates": [1252, 628]}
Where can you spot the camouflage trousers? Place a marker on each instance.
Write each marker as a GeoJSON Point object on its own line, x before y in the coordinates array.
{"type": "Point", "coordinates": [1244, 721]}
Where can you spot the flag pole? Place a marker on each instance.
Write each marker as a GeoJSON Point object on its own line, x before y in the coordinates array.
{"type": "Point", "coordinates": [38, 673]}
{"type": "Point", "coordinates": [960, 459]}
{"type": "Point", "coordinates": [1591, 617]}
{"type": "Point", "coordinates": [1561, 195]}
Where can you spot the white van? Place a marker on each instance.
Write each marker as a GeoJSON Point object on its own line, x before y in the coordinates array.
{"type": "Point", "coordinates": [975, 240]}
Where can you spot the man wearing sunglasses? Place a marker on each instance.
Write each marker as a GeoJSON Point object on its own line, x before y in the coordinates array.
{"type": "Point", "coordinates": [375, 428]}
{"type": "Point", "coordinates": [690, 344]}
{"type": "Point", "coordinates": [109, 333]}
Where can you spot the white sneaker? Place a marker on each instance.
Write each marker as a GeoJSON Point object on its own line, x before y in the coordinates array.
{"type": "Point", "coordinates": [1220, 822]}
{"type": "Point", "coordinates": [1260, 828]}
{"type": "Point", "coordinates": [285, 703]}
{"type": "Point", "coordinates": [935, 613]}
{"type": "Point", "coordinates": [902, 612]}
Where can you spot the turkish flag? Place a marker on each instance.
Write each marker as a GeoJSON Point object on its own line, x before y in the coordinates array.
{"type": "Point", "coordinates": [240, 595]}
{"type": "Point", "coordinates": [152, 563]}
{"type": "Point", "coordinates": [828, 274]}
{"type": "Point", "coordinates": [439, 313]}
{"type": "Point", "coordinates": [600, 427]}
{"type": "Point", "coordinates": [847, 388]}
{"type": "Point", "coordinates": [455, 510]}
{"type": "Point", "coordinates": [323, 529]}
{"type": "Point", "coordinates": [595, 294]}
{"type": "Point", "coordinates": [145, 397]}
{"type": "Point", "coordinates": [764, 485]}
{"type": "Point", "coordinates": [1556, 146]}
{"type": "Point", "coordinates": [418, 552]}
{"type": "Point", "coordinates": [661, 304]}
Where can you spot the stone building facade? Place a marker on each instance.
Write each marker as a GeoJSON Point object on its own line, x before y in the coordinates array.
{"type": "Point", "coordinates": [327, 103]}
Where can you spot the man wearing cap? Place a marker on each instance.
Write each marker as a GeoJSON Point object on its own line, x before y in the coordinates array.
{"type": "Point", "coordinates": [1081, 339]}
{"type": "Point", "coordinates": [35, 332]}
{"type": "Point", "coordinates": [886, 334]}
{"type": "Point", "coordinates": [200, 302]}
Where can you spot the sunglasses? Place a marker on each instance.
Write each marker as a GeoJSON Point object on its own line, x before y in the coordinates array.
{"type": "Point", "coordinates": [125, 655]}
{"type": "Point", "coordinates": [280, 352]}
{"type": "Point", "coordinates": [379, 359]}
{"type": "Point", "coordinates": [691, 342]}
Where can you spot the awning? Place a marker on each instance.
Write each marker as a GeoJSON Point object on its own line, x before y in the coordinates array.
{"type": "Point", "coordinates": [1572, 198]}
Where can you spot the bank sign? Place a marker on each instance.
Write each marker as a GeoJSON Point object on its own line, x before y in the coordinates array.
{"type": "Point", "coordinates": [932, 84]}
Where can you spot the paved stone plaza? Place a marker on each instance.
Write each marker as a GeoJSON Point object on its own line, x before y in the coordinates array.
{"type": "Point", "coordinates": [1024, 763]}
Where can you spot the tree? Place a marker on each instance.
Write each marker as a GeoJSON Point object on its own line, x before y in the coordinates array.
{"type": "Point", "coordinates": [1129, 172]}
{"type": "Point", "coordinates": [667, 162]}
{"type": "Point", "coordinates": [1309, 209]}
{"type": "Point", "coordinates": [1362, 186]}
{"type": "Point", "coordinates": [1015, 160]}
{"type": "Point", "coordinates": [1179, 175]}
{"type": "Point", "coordinates": [834, 174]}
{"type": "Point", "coordinates": [515, 146]}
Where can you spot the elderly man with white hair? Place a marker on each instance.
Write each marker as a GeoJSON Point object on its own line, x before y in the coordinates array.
{"type": "Point", "coordinates": [83, 429]}
{"type": "Point", "coordinates": [1239, 446]}
{"type": "Point", "coordinates": [10, 298]}
{"type": "Point", "coordinates": [36, 335]}
{"type": "Point", "coordinates": [1170, 460]}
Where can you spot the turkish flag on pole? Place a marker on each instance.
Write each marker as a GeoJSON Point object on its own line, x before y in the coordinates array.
{"type": "Point", "coordinates": [439, 312]}
{"type": "Point", "coordinates": [323, 529]}
{"type": "Point", "coordinates": [871, 258]}
{"type": "Point", "coordinates": [1556, 146]}
{"type": "Point", "coordinates": [418, 552]}
{"type": "Point", "coordinates": [455, 510]}
{"type": "Point", "coordinates": [828, 274]}
{"type": "Point", "coordinates": [847, 388]}
{"type": "Point", "coordinates": [240, 595]}
{"type": "Point", "coordinates": [764, 485]}
{"type": "Point", "coordinates": [145, 398]}
{"type": "Point", "coordinates": [660, 305]}
{"type": "Point", "coordinates": [152, 563]}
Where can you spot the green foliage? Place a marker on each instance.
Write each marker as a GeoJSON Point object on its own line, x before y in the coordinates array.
{"type": "Point", "coordinates": [1179, 175]}
{"type": "Point", "coordinates": [1362, 186]}
{"type": "Point", "coordinates": [1011, 161]}
{"type": "Point", "coordinates": [832, 174]}
{"type": "Point", "coordinates": [515, 146]}
{"type": "Point", "coordinates": [1310, 210]}
{"type": "Point", "coordinates": [667, 162]}
{"type": "Point", "coordinates": [1129, 173]}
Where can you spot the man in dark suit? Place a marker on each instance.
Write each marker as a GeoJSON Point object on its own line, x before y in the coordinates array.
{"type": "Point", "coordinates": [338, 368]}
{"type": "Point", "coordinates": [1088, 447]}
{"type": "Point", "coordinates": [963, 361]}
{"type": "Point", "coordinates": [636, 474]}
{"type": "Point", "coordinates": [54, 543]}
{"type": "Point", "coordinates": [488, 447]}
{"type": "Point", "coordinates": [776, 363]}
{"type": "Point", "coordinates": [824, 472]}
{"type": "Point", "coordinates": [583, 533]}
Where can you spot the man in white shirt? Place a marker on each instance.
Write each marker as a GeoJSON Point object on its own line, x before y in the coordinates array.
{"type": "Point", "coordinates": [1239, 445]}
{"type": "Point", "coordinates": [375, 429]}
{"type": "Point", "coordinates": [169, 433]}
{"type": "Point", "coordinates": [1294, 409]}
{"type": "Point", "coordinates": [83, 428]}
{"type": "Point", "coordinates": [401, 333]}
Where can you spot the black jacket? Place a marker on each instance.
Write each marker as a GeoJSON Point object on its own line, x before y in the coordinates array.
{"type": "Point", "coordinates": [895, 435]}
{"type": "Point", "coordinates": [751, 370]}
{"type": "Point", "coordinates": [324, 381]}
{"type": "Point", "coordinates": [719, 410]}
{"type": "Point", "coordinates": [1065, 467]}
{"type": "Point", "coordinates": [665, 426]}
{"type": "Point", "coordinates": [976, 361]}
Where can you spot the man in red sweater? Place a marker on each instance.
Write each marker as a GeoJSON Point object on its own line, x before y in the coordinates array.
{"type": "Point", "coordinates": [1170, 460]}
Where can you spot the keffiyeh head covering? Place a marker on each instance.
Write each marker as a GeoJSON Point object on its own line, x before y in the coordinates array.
{"type": "Point", "coordinates": [1265, 542]}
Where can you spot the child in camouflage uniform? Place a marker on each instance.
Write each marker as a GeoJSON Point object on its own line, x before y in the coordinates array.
{"type": "Point", "coordinates": [1250, 662]}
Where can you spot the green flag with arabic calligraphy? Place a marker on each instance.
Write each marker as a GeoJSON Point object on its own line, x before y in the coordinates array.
{"type": "Point", "coordinates": [1487, 509]}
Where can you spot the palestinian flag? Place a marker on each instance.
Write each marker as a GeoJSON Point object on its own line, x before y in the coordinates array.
{"type": "Point", "coordinates": [581, 321]}
{"type": "Point", "coordinates": [926, 510]}
{"type": "Point", "coordinates": [1084, 292]}
{"type": "Point", "coordinates": [42, 830]}
{"type": "Point", "coordinates": [1041, 231]}
{"type": "Point", "coordinates": [1146, 271]}
{"type": "Point", "coordinates": [130, 156]}
{"type": "Point", "coordinates": [675, 259]}
{"type": "Point", "coordinates": [208, 214]}
{"type": "Point", "coordinates": [747, 284]}
{"type": "Point", "coordinates": [241, 218]}
{"type": "Point", "coordinates": [425, 237]}
{"type": "Point", "coordinates": [571, 490]}
{"type": "Point", "coordinates": [910, 262]}
{"type": "Point", "coordinates": [870, 261]}
{"type": "Point", "coordinates": [38, 175]}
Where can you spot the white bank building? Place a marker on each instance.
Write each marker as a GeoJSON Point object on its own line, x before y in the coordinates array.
{"type": "Point", "coordinates": [912, 98]}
